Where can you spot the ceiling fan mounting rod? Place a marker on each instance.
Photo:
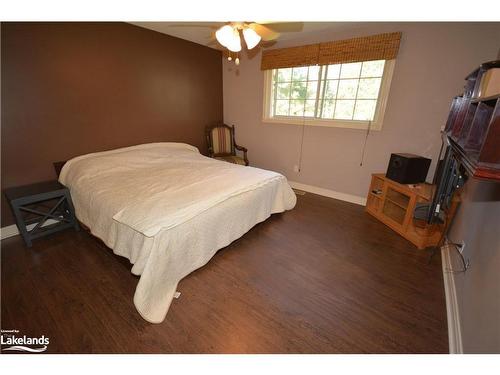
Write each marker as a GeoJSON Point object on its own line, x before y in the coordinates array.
{"type": "Point", "coordinates": [239, 25]}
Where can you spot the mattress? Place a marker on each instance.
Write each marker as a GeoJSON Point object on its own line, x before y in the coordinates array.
{"type": "Point", "coordinates": [168, 209]}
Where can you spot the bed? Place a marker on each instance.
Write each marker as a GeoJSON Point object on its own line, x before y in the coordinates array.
{"type": "Point", "coordinates": [168, 209]}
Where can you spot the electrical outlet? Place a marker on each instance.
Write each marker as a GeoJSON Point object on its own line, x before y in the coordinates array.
{"type": "Point", "coordinates": [296, 168]}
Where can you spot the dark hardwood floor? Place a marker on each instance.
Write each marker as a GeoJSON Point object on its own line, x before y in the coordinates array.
{"type": "Point", "coordinates": [323, 278]}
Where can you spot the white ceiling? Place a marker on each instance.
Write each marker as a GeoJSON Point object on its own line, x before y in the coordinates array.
{"type": "Point", "coordinates": [202, 32]}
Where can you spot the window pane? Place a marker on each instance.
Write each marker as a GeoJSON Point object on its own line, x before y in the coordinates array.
{"type": "Point", "coordinates": [283, 90]}
{"type": "Point", "coordinates": [328, 107]}
{"type": "Point", "coordinates": [331, 89]}
{"type": "Point", "coordinates": [373, 68]}
{"type": "Point", "coordinates": [347, 89]}
{"type": "Point", "coordinates": [333, 71]}
{"type": "Point", "coordinates": [299, 90]}
{"type": "Point", "coordinates": [312, 87]}
{"type": "Point", "coordinates": [341, 92]}
{"type": "Point", "coordinates": [350, 70]}
{"type": "Point", "coordinates": [285, 75]}
{"type": "Point", "coordinates": [368, 88]}
{"type": "Point", "coordinates": [310, 108]}
{"type": "Point", "coordinates": [365, 109]}
{"type": "Point", "coordinates": [281, 108]}
{"type": "Point", "coordinates": [344, 109]}
{"type": "Point", "coordinates": [297, 107]}
{"type": "Point", "coordinates": [299, 74]}
{"type": "Point", "coordinates": [313, 72]}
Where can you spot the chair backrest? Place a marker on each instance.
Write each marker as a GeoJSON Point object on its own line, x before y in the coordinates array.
{"type": "Point", "coordinates": [220, 139]}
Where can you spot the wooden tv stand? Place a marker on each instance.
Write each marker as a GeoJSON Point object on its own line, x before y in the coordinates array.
{"type": "Point", "coordinates": [393, 204]}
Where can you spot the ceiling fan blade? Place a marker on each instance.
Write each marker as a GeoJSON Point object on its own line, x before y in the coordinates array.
{"type": "Point", "coordinates": [209, 25]}
{"type": "Point", "coordinates": [285, 27]}
{"type": "Point", "coordinates": [267, 44]}
{"type": "Point", "coordinates": [264, 32]}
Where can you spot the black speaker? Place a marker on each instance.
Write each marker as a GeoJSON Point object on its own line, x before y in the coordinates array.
{"type": "Point", "coordinates": [408, 168]}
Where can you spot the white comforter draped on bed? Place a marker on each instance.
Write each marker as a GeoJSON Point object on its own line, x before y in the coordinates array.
{"type": "Point", "coordinates": [168, 209]}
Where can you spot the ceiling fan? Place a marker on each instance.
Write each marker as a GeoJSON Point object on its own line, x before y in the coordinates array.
{"type": "Point", "coordinates": [231, 34]}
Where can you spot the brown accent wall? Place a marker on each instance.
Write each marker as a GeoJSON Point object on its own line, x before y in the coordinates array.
{"type": "Point", "coordinates": [74, 88]}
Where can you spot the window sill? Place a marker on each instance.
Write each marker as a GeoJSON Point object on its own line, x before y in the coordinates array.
{"type": "Point", "coordinates": [360, 125]}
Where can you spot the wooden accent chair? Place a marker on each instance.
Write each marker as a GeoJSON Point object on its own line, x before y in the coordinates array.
{"type": "Point", "coordinates": [222, 146]}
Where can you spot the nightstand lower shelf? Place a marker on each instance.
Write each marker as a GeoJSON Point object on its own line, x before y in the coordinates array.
{"type": "Point", "coordinates": [34, 205]}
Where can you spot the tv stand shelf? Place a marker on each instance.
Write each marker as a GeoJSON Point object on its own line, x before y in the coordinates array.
{"type": "Point", "coordinates": [394, 206]}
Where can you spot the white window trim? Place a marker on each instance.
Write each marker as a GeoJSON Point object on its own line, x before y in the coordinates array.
{"type": "Point", "coordinates": [376, 124]}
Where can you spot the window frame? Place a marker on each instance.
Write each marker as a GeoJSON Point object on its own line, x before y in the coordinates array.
{"type": "Point", "coordinates": [376, 124]}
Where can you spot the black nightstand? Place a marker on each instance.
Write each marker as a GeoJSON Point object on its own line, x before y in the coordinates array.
{"type": "Point", "coordinates": [35, 204]}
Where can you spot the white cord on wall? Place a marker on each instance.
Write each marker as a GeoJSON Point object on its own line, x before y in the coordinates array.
{"type": "Point", "coordinates": [299, 166]}
{"type": "Point", "coordinates": [302, 137]}
{"type": "Point", "coordinates": [364, 144]}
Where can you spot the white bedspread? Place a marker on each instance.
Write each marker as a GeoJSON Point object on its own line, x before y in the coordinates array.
{"type": "Point", "coordinates": [168, 209]}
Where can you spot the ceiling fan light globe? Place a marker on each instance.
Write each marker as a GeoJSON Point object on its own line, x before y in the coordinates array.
{"type": "Point", "coordinates": [234, 47]}
{"type": "Point", "coordinates": [251, 37]}
{"type": "Point", "coordinates": [225, 35]}
{"type": "Point", "coordinates": [234, 43]}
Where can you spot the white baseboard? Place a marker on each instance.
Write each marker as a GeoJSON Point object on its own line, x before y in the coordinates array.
{"type": "Point", "coordinates": [329, 193]}
{"type": "Point", "coordinates": [453, 316]}
{"type": "Point", "coordinates": [12, 230]}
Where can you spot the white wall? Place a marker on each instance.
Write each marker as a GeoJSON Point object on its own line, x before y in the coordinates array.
{"type": "Point", "coordinates": [433, 60]}
{"type": "Point", "coordinates": [477, 224]}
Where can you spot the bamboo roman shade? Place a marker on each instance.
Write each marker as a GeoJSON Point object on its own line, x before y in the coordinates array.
{"type": "Point", "coordinates": [375, 47]}
{"type": "Point", "coordinates": [290, 57]}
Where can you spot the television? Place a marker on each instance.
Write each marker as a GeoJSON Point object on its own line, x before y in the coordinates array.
{"type": "Point", "coordinates": [449, 176]}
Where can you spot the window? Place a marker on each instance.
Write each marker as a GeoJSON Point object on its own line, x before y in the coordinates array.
{"type": "Point", "coordinates": [341, 95]}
